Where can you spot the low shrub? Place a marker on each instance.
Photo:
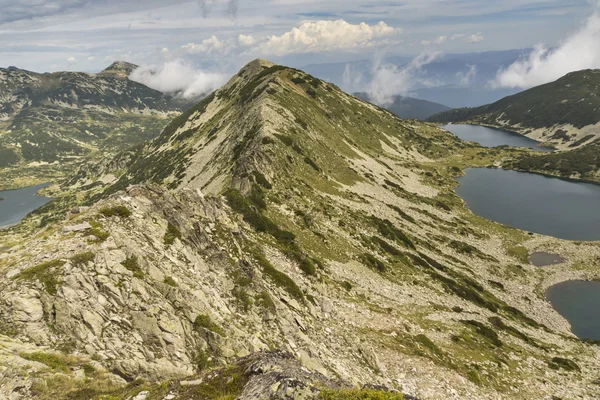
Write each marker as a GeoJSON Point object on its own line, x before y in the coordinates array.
{"type": "Point", "coordinates": [82, 259]}
{"type": "Point", "coordinates": [563, 363]}
{"type": "Point", "coordinates": [203, 321]}
{"type": "Point", "coordinates": [484, 331]}
{"type": "Point", "coordinates": [359, 394]}
{"type": "Point", "coordinates": [46, 273]}
{"type": "Point", "coordinates": [116, 211]}
{"type": "Point", "coordinates": [132, 264]}
{"type": "Point", "coordinates": [373, 262]}
{"type": "Point", "coordinates": [172, 233]}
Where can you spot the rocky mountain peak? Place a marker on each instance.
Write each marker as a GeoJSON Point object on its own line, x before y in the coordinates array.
{"type": "Point", "coordinates": [121, 69]}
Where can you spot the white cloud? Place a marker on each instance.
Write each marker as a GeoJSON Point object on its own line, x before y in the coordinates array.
{"type": "Point", "coordinates": [72, 60]}
{"type": "Point", "coordinates": [580, 50]}
{"type": "Point", "coordinates": [475, 38]}
{"type": "Point", "coordinates": [165, 50]}
{"type": "Point", "coordinates": [91, 58]}
{"type": "Point", "coordinates": [179, 77]}
{"type": "Point", "coordinates": [321, 36]}
{"type": "Point", "coordinates": [245, 40]}
{"type": "Point", "coordinates": [208, 46]}
{"type": "Point", "coordinates": [438, 40]}
{"type": "Point", "coordinates": [391, 80]}
{"type": "Point", "coordinates": [465, 78]}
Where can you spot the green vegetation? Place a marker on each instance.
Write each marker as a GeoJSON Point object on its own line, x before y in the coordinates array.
{"type": "Point", "coordinates": [131, 264]}
{"type": "Point", "coordinates": [262, 180]}
{"type": "Point", "coordinates": [97, 231]}
{"type": "Point", "coordinates": [389, 231]}
{"type": "Point", "coordinates": [359, 394]}
{"type": "Point", "coordinates": [498, 323]}
{"type": "Point", "coordinates": [428, 344]}
{"type": "Point", "coordinates": [279, 278]}
{"type": "Point", "coordinates": [224, 385]}
{"type": "Point", "coordinates": [571, 99]}
{"type": "Point", "coordinates": [563, 363]}
{"type": "Point", "coordinates": [55, 361]}
{"type": "Point", "coordinates": [485, 331]}
{"type": "Point", "coordinates": [583, 162]}
{"type": "Point", "coordinates": [262, 223]}
{"type": "Point", "coordinates": [520, 253]}
{"type": "Point", "coordinates": [170, 281]}
{"type": "Point", "coordinates": [82, 259]}
{"type": "Point", "coordinates": [172, 233]}
{"type": "Point", "coordinates": [203, 321]}
{"type": "Point", "coordinates": [116, 211]}
{"type": "Point", "coordinates": [373, 262]}
{"type": "Point", "coordinates": [47, 273]}
{"type": "Point", "coordinates": [264, 300]}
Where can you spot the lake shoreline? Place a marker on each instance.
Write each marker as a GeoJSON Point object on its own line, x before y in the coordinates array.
{"type": "Point", "coordinates": [19, 203]}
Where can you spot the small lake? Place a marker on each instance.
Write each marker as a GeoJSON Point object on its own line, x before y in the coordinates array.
{"type": "Point", "coordinates": [490, 137]}
{"type": "Point", "coordinates": [20, 202]}
{"type": "Point", "coordinates": [535, 203]}
{"type": "Point", "coordinates": [579, 303]}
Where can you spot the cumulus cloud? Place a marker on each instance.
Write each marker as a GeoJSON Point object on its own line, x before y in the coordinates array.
{"type": "Point", "coordinates": [246, 40]}
{"type": "Point", "coordinates": [580, 50]}
{"type": "Point", "coordinates": [391, 80]}
{"type": "Point", "coordinates": [438, 40]}
{"type": "Point", "coordinates": [71, 60]}
{"type": "Point", "coordinates": [207, 46]}
{"type": "Point", "coordinates": [475, 38]}
{"type": "Point", "coordinates": [180, 78]}
{"type": "Point", "coordinates": [321, 36]}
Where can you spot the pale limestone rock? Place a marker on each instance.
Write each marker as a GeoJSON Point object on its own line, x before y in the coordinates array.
{"type": "Point", "coordinates": [27, 309]}
{"type": "Point", "coordinates": [84, 226]}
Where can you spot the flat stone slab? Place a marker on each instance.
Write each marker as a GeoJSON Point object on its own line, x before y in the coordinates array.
{"type": "Point", "coordinates": [77, 228]}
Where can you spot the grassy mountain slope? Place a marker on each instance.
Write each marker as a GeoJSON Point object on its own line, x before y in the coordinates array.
{"type": "Point", "coordinates": [565, 113]}
{"type": "Point", "coordinates": [410, 108]}
{"type": "Point", "coordinates": [282, 213]}
{"type": "Point", "coordinates": [63, 116]}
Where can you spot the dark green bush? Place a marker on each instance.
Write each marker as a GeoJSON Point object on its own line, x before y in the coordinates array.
{"type": "Point", "coordinates": [172, 233]}
{"type": "Point", "coordinates": [47, 273]}
{"type": "Point", "coordinates": [373, 262]}
{"type": "Point", "coordinates": [131, 264]}
{"type": "Point", "coordinates": [563, 363]}
{"type": "Point", "coordinates": [82, 259]}
{"type": "Point", "coordinates": [279, 278]}
{"type": "Point", "coordinates": [116, 211]}
{"type": "Point", "coordinates": [484, 331]}
{"type": "Point", "coordinates": [204, 321]}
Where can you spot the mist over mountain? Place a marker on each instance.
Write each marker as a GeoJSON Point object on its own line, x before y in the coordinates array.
{"type": "Point", "coordinates": [456, 80]}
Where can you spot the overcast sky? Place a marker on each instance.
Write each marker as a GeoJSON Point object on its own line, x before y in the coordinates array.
{"type": "Point", "coordinates": [86, 35]}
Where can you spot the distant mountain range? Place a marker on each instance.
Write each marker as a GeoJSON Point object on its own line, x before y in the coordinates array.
{"type": "Point", "coordinates": [62, 116]}
{"type": "Point", "coordinates": [448, 79]}
{"type": "Point", "coordinates": [409, 107]}
{"type": "Point", "coordinates": [565, 113]}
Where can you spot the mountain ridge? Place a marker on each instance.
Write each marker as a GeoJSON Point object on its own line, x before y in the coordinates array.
{"type": "Point", "coordinates": [282, 213]}
{"type": "Point", "coordinates": [564, 113]}
{"type": "Point", "coordinates": [57, 119]}
{"type": "Point", "coordinates": [410, 107]}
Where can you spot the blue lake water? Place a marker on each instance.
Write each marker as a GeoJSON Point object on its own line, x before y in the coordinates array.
{"type": "Point", "coordinates": [532, 202]}
{"type": "Point", "coordinates": [20, 202]}
{"type": "Point", "coordinates": [490, 137]}
{"type": "Point", "coordinates": [579, 303]}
